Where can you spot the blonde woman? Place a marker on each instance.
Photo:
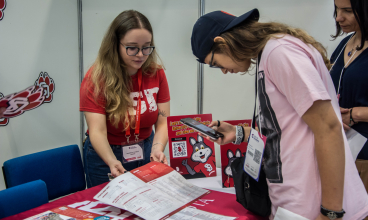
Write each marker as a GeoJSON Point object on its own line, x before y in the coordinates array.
{"type": "Point", "coordinates": [123, 95]}
{"type": "Point", "coordinates": [307, 160]}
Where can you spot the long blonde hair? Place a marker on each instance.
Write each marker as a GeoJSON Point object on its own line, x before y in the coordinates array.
{"type": "Point", "coordinates": [246, 41]}
{"type": "Point", "coordinates": [109, 75]}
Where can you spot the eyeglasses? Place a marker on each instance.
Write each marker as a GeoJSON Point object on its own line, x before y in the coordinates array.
{"type": "Point", "coordinates": [132, 51]}
{"type": "Point", "coordinates": [212, 66]}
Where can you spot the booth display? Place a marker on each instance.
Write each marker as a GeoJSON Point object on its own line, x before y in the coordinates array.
{"type": "Point", "coordinates": [229, 152]}
{"type": "Point", "coordinates": [190, 154]}
{"type": "Point", "coordinates": [90, 203]}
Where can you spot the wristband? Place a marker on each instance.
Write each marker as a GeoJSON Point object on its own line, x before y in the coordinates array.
{"type": "Point", "coordinates": [239, 135]}
{"type": "Point", "coordinates": [332, 214]}
{"type": "Point", "coordinates": [351, 118]}
{"type": "Point", "coordinates": [243, 133]}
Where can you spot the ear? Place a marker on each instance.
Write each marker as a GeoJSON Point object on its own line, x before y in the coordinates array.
{"type": "Point", "coordinates": [200, 138]}
{"type": "Point", "coordinates": [230, 154]}
{"type": "Point", "coordinates": [218, 39]}
{"type": "Point", "coordinates": [192, 141]}
{"type": "Point", "coordinates": [238, 153]}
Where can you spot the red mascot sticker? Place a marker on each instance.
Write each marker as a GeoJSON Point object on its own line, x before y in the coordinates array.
{"type": "Point", "coordinates": [22, 101]}
{"type": "Point", "coordinates": [2, 8]}
{"type": "Point", "coordinates": [44, 81]}
{"type": "Point", "coordinates": [30, 98]}
{"type": "Point", "coordinates": [3, 121]}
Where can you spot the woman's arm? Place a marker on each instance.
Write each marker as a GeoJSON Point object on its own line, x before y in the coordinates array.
{"type": "Point", "coordinates": [359, 114]}
{"type": "Point", "coordinates": [160, 139]}
{"type": "Point", "coordinates": [330, 152]}
{"type": "Point", "coordinates": [98, 136]}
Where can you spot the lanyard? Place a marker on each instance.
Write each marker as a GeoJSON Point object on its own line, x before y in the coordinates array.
{"type": "Point", "coordinates": [343, 69]}
{"type": "Point", "coordinates": [255, 102]}
{"type": "Point", "coordinates": [138, 111]}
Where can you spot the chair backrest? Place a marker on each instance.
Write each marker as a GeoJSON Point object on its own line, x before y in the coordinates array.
{"type": "Point", "coordinates": [22, 198]}
{"type": "Point", "coordinates": [60, 168]}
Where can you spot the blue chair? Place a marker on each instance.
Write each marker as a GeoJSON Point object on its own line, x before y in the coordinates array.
{"type": "Point", "coordinates": [60, 168]}
{"type": "Point", "coordinates": [22, 198]}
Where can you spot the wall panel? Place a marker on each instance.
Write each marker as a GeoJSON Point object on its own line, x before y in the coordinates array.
{"type": "Point", "coordinates": [40, 36]}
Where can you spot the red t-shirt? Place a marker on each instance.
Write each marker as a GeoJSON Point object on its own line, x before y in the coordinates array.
{"type": "Point", "coordinates": [155, 89]}
{"type": "Point", "coordinates": [208, 168]}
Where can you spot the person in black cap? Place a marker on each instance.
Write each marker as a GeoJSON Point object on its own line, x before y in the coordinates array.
{"type": "Point", "coordinates": [308, 164]}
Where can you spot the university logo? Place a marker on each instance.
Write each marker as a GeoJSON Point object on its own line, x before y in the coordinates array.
{"type": "Point", "coordinates": [29, 98]}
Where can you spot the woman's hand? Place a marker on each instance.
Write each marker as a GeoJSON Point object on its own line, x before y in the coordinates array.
{"type": "Point", "coordinates": [116, 168]}
{"type": "Point", "coordinates": [159, 156]}
{"type": "Point", "coordinates": [226, 129]}
{"type": "Point", "coordinates": [345, 114]}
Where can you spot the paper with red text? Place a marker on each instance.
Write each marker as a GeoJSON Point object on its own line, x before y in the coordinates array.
{"type": "Point", "coordinates": [153, 191]}
{"type": "Point", "coordinates": [64, 213]}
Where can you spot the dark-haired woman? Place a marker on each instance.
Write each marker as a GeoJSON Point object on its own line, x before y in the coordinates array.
{"type": "Point", "coordinates": [350, 72]}
{"type": "Point", "coordinates": [307, 160]}
{"type": "Point", "coordinates": [122, 96]}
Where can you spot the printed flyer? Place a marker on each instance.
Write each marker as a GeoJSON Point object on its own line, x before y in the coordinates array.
{"type": "Point", "coordinates": [64, 213]}
{"type": "Point", "coordinates": [229, 152]}
{"type": "Point", "coordinates": [152, 191]}
{"type": "Point", "coordinates": [190, 154]}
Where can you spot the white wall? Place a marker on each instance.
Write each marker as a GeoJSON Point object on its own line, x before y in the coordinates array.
{"type": "Point", "coordinates": [40, 36]}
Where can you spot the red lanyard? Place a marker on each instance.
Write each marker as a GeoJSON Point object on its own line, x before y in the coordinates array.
{"type": "Point", "coordinates": [138, 111]}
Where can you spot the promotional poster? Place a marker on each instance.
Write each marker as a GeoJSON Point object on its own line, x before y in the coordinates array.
{"type": "Point", "coordinates": [190, 154]}
{"type": "Point", "coordinates": [229, 152]}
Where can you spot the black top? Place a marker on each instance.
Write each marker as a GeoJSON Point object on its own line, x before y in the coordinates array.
{"type": "Point", "coordinates": [353, 86]}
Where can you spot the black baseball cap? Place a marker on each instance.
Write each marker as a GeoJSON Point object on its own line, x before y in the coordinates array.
{"type": "Point", "coordinates": [212, 25]}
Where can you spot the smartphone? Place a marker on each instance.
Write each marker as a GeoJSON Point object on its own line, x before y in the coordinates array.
{"type": "Point", "coordinates": [201, 128]}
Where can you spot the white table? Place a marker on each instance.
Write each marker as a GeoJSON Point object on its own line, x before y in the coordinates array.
{"type": "Point", "coordinates": [212, 183]}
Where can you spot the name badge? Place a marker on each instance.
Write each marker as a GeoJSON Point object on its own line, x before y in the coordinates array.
{"type": "Point", "coordinates": [133, 152]}
{"type": "Point", "coordinates": [254, 154]}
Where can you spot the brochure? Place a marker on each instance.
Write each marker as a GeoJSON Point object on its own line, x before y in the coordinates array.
{"type": "Point", "coordinates": [64, 213]}
{"type": "Point", "coordinates": [153, 191]}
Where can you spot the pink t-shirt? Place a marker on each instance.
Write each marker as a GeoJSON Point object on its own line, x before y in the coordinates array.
{"type": "Point", "coordinates": [291, 76]}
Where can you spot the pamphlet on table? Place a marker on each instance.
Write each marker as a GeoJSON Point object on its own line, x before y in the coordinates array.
{"type": "Point", "coordinates": [190, 154]}
{"type": "Point", "coordinates": [68, 213]}
{"type": "Point", "coordinates": [153, 191]}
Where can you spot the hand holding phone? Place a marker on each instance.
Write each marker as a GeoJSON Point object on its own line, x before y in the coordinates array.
{"type": "Point", "coordinates": [190, 122]}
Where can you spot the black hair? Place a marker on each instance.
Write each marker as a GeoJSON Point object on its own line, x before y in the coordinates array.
{"type": "Point", "coordinates": [360, 10]}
